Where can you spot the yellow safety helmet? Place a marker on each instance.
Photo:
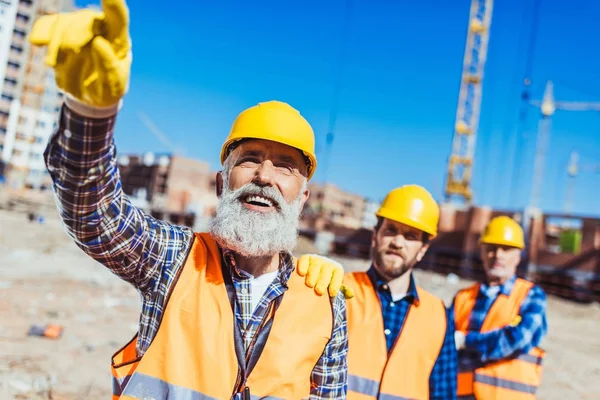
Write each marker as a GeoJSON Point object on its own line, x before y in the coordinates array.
{"type": "Point", "coordinates": [412, 205]}
{"type": "Point", "coordinates": [503, 231]}
{"type": "Point", "coordinates": [278, 122]}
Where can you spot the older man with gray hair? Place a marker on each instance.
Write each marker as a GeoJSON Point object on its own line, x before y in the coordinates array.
{"type": "Point", "coordinates": [224, 315]}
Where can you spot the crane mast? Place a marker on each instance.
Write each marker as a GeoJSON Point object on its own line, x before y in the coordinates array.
{"type": "Point", "coordinates": [460, 163]}
{"type": "Point", "coordinates": [548, 106]}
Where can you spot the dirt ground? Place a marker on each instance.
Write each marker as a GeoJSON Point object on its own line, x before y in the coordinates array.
{"type": "Point", "coordinates": [45, 278]}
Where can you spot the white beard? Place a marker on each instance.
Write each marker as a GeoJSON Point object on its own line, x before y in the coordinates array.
{"type": "Point", "coordinates": [251, 233]}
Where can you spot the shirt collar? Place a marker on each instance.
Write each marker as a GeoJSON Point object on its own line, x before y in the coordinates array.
{"type": "Point", "coordinates": [505, 288]}
{"type": "Point", "coordinates": [380, 285]}
{"type": "Point", "coordinates": [286, 266]}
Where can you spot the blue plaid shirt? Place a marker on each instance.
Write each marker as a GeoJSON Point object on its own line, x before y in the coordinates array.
{"type": "Point", "coordinates": [511, 340]}
{"type": "Point", "coordinates": [147, 252]}
{"type": "Point", "coordinates": [443, 378]}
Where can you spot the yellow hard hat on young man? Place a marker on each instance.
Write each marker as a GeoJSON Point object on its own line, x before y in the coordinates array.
{"type": "Point", "coordinates": [412, 205]}
{"type": "Point", "coordinates": [278, 122]}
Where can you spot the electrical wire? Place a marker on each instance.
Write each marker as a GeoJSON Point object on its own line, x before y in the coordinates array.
{"type": "Point", "coordinates": [337, 87]}
{"type": "Point", "coordinates": [517, 151]}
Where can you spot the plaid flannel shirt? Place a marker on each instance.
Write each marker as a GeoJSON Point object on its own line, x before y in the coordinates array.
{"type": "Point", "coordinates": [481, 348]}
{"type": "Point", "coordinates": [146, 252]}
{"type": "Point", "coordinates": [443, 377]}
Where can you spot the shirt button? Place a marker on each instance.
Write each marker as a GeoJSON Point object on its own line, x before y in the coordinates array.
{"type": "Point", "coordinates": [244, 291]}
{"type": "Point", "coordinates": [384, 287]}
{"type": "Point", "coordinates": [392, 304]}
{"type": "Point", "coordinates": [387, 332]}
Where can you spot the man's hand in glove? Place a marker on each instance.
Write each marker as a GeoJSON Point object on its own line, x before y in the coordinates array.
{"type": "Point", "coordinates": [90, 52]}
{"type": "Point", "coordinates": [323, 274]}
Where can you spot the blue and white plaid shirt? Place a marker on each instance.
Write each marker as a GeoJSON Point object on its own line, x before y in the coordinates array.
{"type": "Point", "coordinates": [148, 253]}
{"type": "Point", "coordinates": [443, 378]}
{"type": "Point", "coordinates": [511, 340]}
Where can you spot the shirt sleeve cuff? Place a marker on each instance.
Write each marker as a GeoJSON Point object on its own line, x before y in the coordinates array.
{"type": "Point", "coordinates": [88, 111]}
{"type": "Point", "coordinates": [471, 341]}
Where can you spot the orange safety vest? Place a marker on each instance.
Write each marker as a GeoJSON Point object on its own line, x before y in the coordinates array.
{"type": "Point", "coordinates": [404, 373]}
{"type": "Point", "coordinates": [514, 379]}
{"type": "Point", "coordinates": [193, 353]}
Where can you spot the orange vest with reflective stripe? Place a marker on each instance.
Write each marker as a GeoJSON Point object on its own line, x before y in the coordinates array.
{"type": "Point", "coordinates": [193, 354]}
{"type": "Point", "coordinates": [404, 374]}
{"type": "Point", "coordinates": [514, 379]}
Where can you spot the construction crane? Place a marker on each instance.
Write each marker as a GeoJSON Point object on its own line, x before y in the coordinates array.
{"type": "Point", "coordinates": [460, 163]}
{"type": "Point", "coordinates": [572, 171]}
{"type": "Point", "coordinates": [548, 106]}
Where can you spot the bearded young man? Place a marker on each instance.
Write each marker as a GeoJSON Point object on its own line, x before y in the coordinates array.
{"type": "Point", "coordinates": [401, 337]}
{"type": "Point", "coordinates": [224, 315]}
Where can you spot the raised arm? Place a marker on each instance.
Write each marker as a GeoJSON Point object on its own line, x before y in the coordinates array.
{"type": "Point", "coordinates": [81, 159]}
{"type": "Point", "coordinates": [90, 53]}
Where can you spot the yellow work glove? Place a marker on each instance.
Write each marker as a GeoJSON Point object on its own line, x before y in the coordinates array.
{"type": "Point", "coordinates": [90, 52]}
{"type": "Point", "coordinates": [323, 274]}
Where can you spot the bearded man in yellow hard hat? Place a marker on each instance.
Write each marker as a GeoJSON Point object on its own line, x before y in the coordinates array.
{"type": "Point", "coordinates": [500, 322]}
{"type": "Point", "coordinates": [224, 315]}
{"type": "Point", "coordinates": [401, 337]}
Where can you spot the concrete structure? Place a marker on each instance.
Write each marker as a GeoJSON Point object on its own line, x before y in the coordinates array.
{"type": "Point", "coordinates": [335, 205]}
{"type": "Point", "coordinates": [562, 251]}
{"type": "Point", "coordinates": [169, 184]}
{"type": "Point", "coordinates": [369, 219]}
{"type": "Point", "coordinates": [30, 101]}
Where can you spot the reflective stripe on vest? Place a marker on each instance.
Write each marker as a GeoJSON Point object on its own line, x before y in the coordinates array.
{"type": "Point", "coordinates": [143, 387]}
{"type": "Point", "coordinates": [369, 388]}
{"type": "Point", "coordinates": [405, 374]}
{"type": "Point", "coordinates": [193, 355]}
{"type": "Point", "coordinates": [467, 364]}
{"type": "Point", "coordinates": [504, 383]}
{"type": "Point", "coordinates": [517, 378]}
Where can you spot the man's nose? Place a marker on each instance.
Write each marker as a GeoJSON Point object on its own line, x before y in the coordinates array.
{"type": "Point", "coordinates": [399, 241]}
{"type": "Point", "coordinates": [265, 174]}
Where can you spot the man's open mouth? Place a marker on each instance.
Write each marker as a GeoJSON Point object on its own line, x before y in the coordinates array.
{"type": "Point", "coordinates": [259, 201]}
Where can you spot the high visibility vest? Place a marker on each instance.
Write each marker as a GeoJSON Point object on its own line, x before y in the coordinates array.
{"type": "Point", "coordinates": [513, 379]}
{"type": "Point", "coordinates": [193, 354]}
{"type": "Point", "coordinates": [404, 374]}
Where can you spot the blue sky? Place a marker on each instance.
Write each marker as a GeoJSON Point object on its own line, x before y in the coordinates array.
{"type": "Point", "coordinates": [197, 65]}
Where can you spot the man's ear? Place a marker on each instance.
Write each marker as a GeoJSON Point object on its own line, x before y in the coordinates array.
{"type": "Point", "coordinates": [219, 184]}
{"type": "Point", "coordinates": [422, 252]}
{"type": "Point", "coordinates": [305, 196]}
{"type": "Point", "coordinates": [374, 237]}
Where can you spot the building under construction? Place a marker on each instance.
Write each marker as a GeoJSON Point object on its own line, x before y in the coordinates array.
{"type": "Point", "coordinates": [30, 100]}
{"type": "Point", "coordinates": [562, 252]}
{"type": "Point", "coordinates": [170, 187]}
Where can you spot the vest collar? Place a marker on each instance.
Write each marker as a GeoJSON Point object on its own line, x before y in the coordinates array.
{"type": "Point", "coordinates": [286, 267]}
{"type": "Point", "coordinates": [380, 285]}
{"type": "Point", "coordinates": [505, 288]}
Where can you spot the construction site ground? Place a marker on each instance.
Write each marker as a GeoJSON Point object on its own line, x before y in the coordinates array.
{"type": "Point", "coordinates": [45, 278]}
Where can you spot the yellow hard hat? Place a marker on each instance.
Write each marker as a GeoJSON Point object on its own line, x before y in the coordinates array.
{"type": "Point", "coordinates": [503, 231]}
{"type": "Point", "coordinates": [278, 122]}
{"type": "Point", "coordinates": [411, 205]}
